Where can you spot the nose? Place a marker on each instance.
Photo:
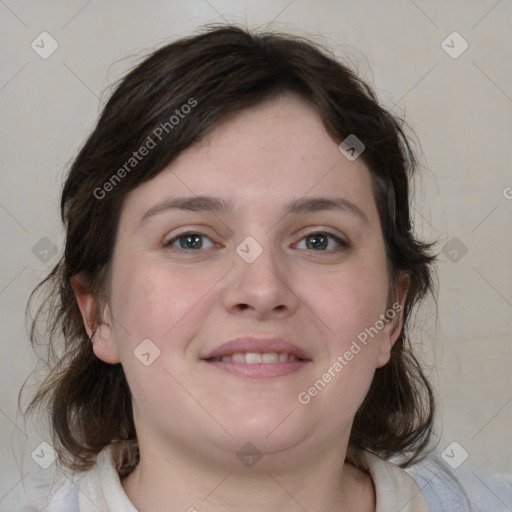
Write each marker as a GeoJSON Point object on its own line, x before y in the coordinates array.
{"type": "Point", "coordinates": [262, 288]}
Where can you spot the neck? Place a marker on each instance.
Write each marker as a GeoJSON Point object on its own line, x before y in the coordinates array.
{"type": "Point", "coordinates": [178, 481]}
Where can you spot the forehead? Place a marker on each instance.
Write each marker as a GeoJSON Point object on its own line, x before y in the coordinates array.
{"type": "Point", "coordinates": [264, 155]}
{"type": "Point", "coordinates": [278, 126]}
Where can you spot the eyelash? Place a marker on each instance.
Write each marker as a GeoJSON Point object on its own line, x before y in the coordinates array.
{"type": "Point", "coordinates": [342, 244]}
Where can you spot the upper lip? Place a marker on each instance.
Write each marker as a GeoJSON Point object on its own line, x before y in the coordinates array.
{"type": "Point", "coordinates": [253, 344]}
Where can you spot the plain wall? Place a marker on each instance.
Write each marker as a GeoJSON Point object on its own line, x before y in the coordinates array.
{"type": "Point", "coordinates": [460, 109]}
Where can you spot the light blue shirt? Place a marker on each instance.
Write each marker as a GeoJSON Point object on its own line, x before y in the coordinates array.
{"type": "Point", "coordinates": [462, 489]}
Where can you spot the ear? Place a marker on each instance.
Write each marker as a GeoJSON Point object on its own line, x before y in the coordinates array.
{"type": "Point", "coordinates": [97, 322]}
{"type": "Point", "coordinates": [394, 320]}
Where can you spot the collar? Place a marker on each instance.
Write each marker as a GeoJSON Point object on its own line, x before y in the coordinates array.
{"type": "Point", "coordinates": [101, 487]}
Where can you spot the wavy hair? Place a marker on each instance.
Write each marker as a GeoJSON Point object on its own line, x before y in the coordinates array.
{"type": "Point", "coordinates": [224, 69]}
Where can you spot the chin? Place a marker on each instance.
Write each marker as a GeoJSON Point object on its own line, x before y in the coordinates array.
{"type": "Point", "coordinates": [268, 432]}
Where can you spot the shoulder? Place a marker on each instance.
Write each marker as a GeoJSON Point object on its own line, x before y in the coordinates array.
{"type": "Point", "coordinates": [57, 489]}
{"type": "Point", "coordinates": [64, 495]}
{"type": "Point", "coordinates": [441, 489]}
{"type": "Point", "coordinates": [394, 488]}
{"type": "Point", "coordinates": [62, 491]}
{"type": "Point", "coordinates": [460, 490]}
{"type": "Point", "coordinates": [48, 490]}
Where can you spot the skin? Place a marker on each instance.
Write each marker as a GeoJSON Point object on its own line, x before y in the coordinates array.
{"type": "Point", "coordinates": [192, 418]}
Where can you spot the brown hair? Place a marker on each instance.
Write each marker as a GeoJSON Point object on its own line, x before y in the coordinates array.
{"type": "Point", "coordinates": [217, 72]}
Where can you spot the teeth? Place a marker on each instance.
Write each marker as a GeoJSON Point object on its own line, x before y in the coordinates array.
{"type": "Point", "coordinates": [270, 357]}
{"type": "Point", "coordinates": [258, 357]}
{"type": "Point", "coordinates": [252, 358]}
{"type": "Point", "coordinates": [238, 358]}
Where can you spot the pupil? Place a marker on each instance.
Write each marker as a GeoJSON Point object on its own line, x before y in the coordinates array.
{"type": "Point", "coordinates": [317, 241]}
{"type": "Point", "coordinates": [191, 241]}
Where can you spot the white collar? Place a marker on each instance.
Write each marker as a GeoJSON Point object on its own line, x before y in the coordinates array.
{"type": "Point", "coordinates": [101, 488]}
{"type": "Point", "coordinates": [394, 488]}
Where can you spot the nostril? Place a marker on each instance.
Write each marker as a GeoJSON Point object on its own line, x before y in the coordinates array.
{"type": "Point", "coordinates": [244, 307]}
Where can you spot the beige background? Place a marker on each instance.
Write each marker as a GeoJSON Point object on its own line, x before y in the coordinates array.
{"type": "Point", "coordinates": [460, 109]}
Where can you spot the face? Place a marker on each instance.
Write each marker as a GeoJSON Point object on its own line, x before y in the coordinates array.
{"type": "Point", "coordinates": [250, 266]}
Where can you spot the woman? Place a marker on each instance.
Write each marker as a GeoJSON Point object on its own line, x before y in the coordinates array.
{"type": "Point", "coordinates": [234, 296]}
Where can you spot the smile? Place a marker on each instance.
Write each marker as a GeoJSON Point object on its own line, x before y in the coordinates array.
{"type": "Point", "coordinates": [256, 358]}
{"type": "Point", "coordinates": [258, 365]}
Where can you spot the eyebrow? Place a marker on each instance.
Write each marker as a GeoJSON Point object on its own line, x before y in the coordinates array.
{"type": "Point", "coordinates": [220, 206]}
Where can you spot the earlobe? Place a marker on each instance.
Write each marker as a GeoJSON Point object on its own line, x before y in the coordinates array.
{"type": "Point", "coordinates": [395, 316]}
{"type": "Point", "coordinates": [96, 323]}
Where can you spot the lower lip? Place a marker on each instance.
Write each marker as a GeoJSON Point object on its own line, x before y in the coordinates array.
{"type": "Point", "coordinates": [260, 370]}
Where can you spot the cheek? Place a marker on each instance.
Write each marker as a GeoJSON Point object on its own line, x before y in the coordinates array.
{"type": "Point", "coordinates": [153, 300]}
{"type": "Point", "coordinates": [349, 310]}
{"type": "Point", "coordinates": [348, 301]}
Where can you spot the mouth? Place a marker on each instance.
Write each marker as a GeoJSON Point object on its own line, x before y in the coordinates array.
{"type": "Point", "coordinates": [258, 358]}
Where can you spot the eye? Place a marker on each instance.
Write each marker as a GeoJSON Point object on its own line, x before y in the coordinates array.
{"type": "Point", "coordinates": [190, 241]}
{"type": "Point", "coordinates": [320, 241]}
